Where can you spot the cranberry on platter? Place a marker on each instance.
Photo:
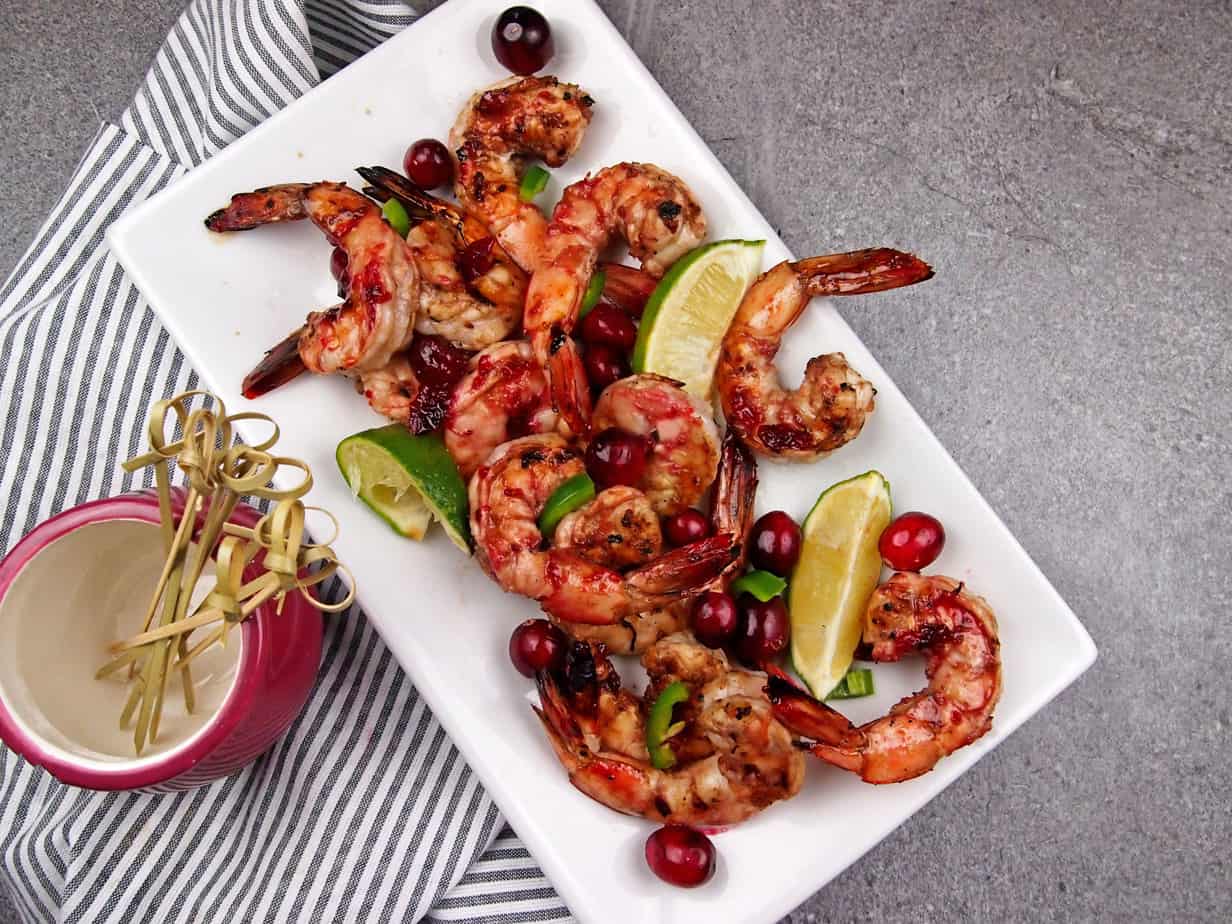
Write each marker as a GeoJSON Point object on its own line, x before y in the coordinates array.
{"type": "Point", "coordinates": [427, 163]}
{"type": "Point", "coordinates": [536, 645]}
{"type": "Point", "coordinates": [522, 40]}
{"type": "Point", "coordinates": [680, 856]}
{"type": "Point", "coordinates": [609, 325]}
{"type": "Point", "coordinates": [716, 619]}
{"type": "Point", "coordinates": [616, 456]}
{"type": "Point", "coordinates": [912, 541]}
{"type": "Point", "coordinates": [604, 365]}
{"type": "Point", "coordinates": [685, 527]}
{"type": "Point", "coordinates": [764, 629]}
{"type": "Point", "coordinates": [774, 543]}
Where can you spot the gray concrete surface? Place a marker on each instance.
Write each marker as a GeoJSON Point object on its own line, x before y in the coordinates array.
{"type": "Point", "coordinates": [1067, 167]}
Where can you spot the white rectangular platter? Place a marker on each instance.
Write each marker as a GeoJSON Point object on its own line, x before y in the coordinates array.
{"type": "Point", "coordinates": [227, 298]}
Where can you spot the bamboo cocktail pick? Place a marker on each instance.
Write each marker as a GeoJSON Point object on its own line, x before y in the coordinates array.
{"type": "Point", "coordinates": [219, 473]}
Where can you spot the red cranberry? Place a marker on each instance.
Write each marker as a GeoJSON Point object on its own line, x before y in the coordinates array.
{"type": "Point", "coordinates": [477, 259]}
{"type": "Point", "coordinates": [428, 164]}
{"type": "Point", "coordinates": [609, 325]}
{"type": "Point", "coordinates": [716, 619]}
{"type": "Point", "coordinates": [537, 645]}
{"type": "Point", "coordinates": [764, 629]}
{"type": "Point", "coordinates": [605, 365]}
{"type": "Point", "coordinates": [913, 541]}
{"type": "Point", "coordinates": [686, 526]}
{"type": "Point", "coordinates": [522, 40]}
{"type": "Point", "coordinates": [437, 361]}
{"type": "Point", "coordinates": [774, 543]}
{"type": "Point", "coordinates": [680, 856]}
{"type": "Point", "coordinates": [616, 456]}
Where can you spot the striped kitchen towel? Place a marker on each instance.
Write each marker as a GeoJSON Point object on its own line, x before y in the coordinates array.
{"type": "Point", "coordinates": [364, 811]}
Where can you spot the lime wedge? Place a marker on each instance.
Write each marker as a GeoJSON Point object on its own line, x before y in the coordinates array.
{"type": "Point", "coordinates": [690, 309]}
{"type": "Point", "coordinates": [837, 572]}
{"type": "Point", "coordinates": [408, 480]}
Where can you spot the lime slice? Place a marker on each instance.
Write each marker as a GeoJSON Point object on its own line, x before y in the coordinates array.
{"type": "Point", "coordinates": [837, 572]}
{"type": "Point", "coordinates": [408, 480]}
{"type": "Point", "coordinates": [690, 309]}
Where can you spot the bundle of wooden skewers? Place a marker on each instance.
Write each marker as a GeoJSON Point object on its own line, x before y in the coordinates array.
{"type": "Point", "coordinates": [219, 472]}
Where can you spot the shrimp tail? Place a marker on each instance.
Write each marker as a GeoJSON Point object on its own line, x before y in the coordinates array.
{"type": "Point", "coordinates": [686, 568]}
{"type": "Point", "coordinates": [834, 739]}
{"type": "Point", "coordinates": [280, 365]}
{"type": "Point", "coordinates": [731, 509]}
{"type": "Point", "coordinates": [627, 287]}
{"type": "Point", "coordinates": [860, 272]}
{"type": "Point", "coordinates": [262, 206]}
{"type": "Point", "coordinates": [388, 184]}
{"type": "Point", "coordinates": [570, 388]}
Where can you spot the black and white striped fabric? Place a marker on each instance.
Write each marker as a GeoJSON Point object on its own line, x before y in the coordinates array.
{"type": "Point", "coordinates": [364, 811]}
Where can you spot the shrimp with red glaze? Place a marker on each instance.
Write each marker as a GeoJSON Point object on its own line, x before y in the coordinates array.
{"type": "Point", "coordinates": [684, 439]}
{"type": "Point", "coordinates": [504, 395]}
{"type": "Point", "coordinates": [732, 757]}
{"type": "Point", "coordinates": [830, 406]}
{"type": "Point", "coordinates": [731, 512]}
{"type": "Point", "coordinates": [957, 632]}
{"type": "Point", "coordinates": [659, 218]}
{"type": "Point", "coordinates": [376, 319]}
{"type": "Point", "coordinates": [499, 129]}
{"type": "Point", "coordinates": [458, 259]}
{"type": "Point", "coordinates": [508, 493]}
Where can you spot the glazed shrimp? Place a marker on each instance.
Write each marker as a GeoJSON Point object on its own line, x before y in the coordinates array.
{"type": "Point", "coordinates": [733, 757]}
{"type": "Point", "coordinates": [375, 321]}
{"type": "Point", "coordinates": [503, 396]}
{"type": "Point", "coordinates": [507, 494]}
{"type": "Point", "coordinates": [498, 130]}
{"type": "Point", "coordinates": [619, 528]}
{"type": "Point", "coordinates": [392, 389]}
{"type": "Point", "coordinates": [830, 406]}
{"type": "Point", "coordinates": [659, 218]}
{"type": "Point", "coordinates": [456, 254]}
{"type": "Point", "coordinates": [731, 512]}
{"type": "Point", "coordinates": [957, 632]}
{"type": "Point", "coordinates": [682, 432]}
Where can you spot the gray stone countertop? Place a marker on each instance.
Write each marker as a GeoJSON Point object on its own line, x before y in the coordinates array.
{"type": "Point", "coordinates": [1067, 168]}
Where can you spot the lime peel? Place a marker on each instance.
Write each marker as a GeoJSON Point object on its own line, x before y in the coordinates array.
{"type": "Point", "coordinates": [838, 570]}
{"type": "Point", "coordinates": [407, 480]}
{"type": "Point", "coordinates": [690, 310]}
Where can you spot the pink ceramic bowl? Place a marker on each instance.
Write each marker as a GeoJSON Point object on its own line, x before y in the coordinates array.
{"type": "Point", "coordinates": [81, 580]}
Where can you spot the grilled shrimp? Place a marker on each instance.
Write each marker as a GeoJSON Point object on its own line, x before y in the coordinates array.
{"type": "Point", "coordinates": [375, 321]}
{"type": "Point", "coordinates": [619, 528]}
{"type": "Point", "coordinates": [657, 216]}
{"type": "Point", "coordinates": [507, 494]}
{"type": "Point", "coordinates": [731, 512]}
{"type": "Point", "coordinates": [681, 429]}
{"type": "Point", "coordinates": [503, 396]}
{"type": "Point", "coordinates": [733, 758]}
{"type": "Point", "coordinates": [957, 633]}
{"type": "Point", "coordinates": [445, 237]}
{"type": "Point", "coordinates": [496, 132]}
{"type": "Point", "coordinates": [830, 406]}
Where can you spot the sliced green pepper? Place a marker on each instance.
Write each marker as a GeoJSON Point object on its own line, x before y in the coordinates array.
{"type": "Point", "coordinates": [761, 584]}
{"type": "Point", "coordinates": [593, 290]}
{"type": "Point", "coordinates": [855, 683]}
{"type": "Point", "coordinates": [659, 725]}
{"type": "Point", "coordinates": [395, 213]}
{"type": "Point", "coordinates": [534, 181]}
{"type": "Point", "coordinates": [571, 495]}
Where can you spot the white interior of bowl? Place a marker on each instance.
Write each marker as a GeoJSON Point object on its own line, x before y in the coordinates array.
{"type": "Point", "coordinates": [80, 593]}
